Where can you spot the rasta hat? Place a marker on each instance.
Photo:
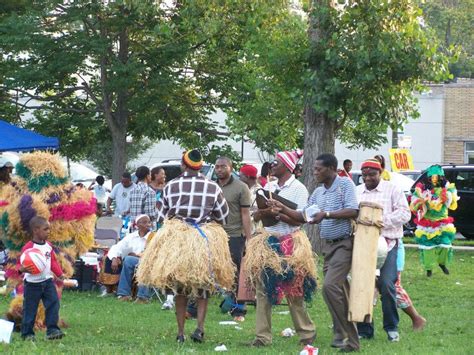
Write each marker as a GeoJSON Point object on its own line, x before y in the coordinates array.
{"type": "Point", "coordinates": [290, 159]}
{"type": "Point", "coordinates": [249, 170]}
{"type": "Point", "coordinates": [435, 170]}
{"type": "Point", "coordinates": [193, 159]}
{"type": "Point", "coordinates": [371, 163]}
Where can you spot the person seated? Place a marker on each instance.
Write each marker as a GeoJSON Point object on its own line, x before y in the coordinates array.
{"type": "Point", "coordinates": [128, 252]}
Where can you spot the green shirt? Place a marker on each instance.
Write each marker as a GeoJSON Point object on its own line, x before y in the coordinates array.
{"type": "Point", "coordinates": [237, 195]}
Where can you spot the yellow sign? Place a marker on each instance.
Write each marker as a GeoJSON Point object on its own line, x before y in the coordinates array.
{"type": "Point", "coordinates": [401, 160]}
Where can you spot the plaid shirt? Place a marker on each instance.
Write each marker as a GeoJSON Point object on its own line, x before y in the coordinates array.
{"type": "Point", "coordinates": [193, 196]}
{"type": "Point", "coordinates": [143, 201]}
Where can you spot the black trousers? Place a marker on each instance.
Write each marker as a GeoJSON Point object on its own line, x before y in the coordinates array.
{"type": "Point", "coordinates": [33, 293]}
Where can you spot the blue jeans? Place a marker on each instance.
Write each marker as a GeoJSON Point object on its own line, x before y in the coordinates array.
{"type": "Point", "coordinates": [386, 286]}
{"type": "Point", "coordinates": [33, 293]}
{"type": "Point", "coordinates": [129, 266]}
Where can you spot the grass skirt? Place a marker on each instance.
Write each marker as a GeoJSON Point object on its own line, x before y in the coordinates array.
{"type": "Point", "coordinates": [284, 265]}
{"type": "Point", "coordinates": [178, 259]}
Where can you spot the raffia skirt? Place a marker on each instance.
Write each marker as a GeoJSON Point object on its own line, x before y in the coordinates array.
{"type": "Point", "coordinates": [283, 265]}
{"type": "Point", "coordinates": [181, 259]}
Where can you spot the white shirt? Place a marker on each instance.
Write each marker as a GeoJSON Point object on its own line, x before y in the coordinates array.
{"type": "Point", "coordinates": [100, 194]}
{"type": "Point", "coordinates": [293, 190]}
{"type": "Point", "coordinates": [121, 195]}
{"type": "Point", "coordinates": [132, 243]}
{"type": "Point", "coordinates": [395, 208]}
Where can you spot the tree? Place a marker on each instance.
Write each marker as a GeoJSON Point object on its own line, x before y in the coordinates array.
{"type": "Point", "coordinates": [347, 72]}
{"type": "Point", "coordinates": [118, 68]}
{"type": "Point", "coordinates": [452, 21]}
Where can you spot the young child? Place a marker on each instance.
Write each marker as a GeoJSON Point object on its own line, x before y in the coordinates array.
{"type": "Point", "coordinates": [100, 193]}
{"type": "Point", "coordinates": [40, 286]}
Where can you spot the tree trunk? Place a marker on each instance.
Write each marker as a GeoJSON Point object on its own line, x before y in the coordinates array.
{"type": "Point", "coordinates": [117, 121]}
{"type": "Point", "coordinates": [319, 129]}
{"type": "Point", "coordinates": [119, 154]}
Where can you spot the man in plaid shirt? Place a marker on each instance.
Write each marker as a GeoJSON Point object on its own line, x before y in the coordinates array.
{"type": "Point", "coordinates": [143, 197]}
{"type": "Point", "coordinates": [192, 196]}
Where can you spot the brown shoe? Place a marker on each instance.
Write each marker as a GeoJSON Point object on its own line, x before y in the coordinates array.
{"type": "Point", "coordinates": [124, 298]}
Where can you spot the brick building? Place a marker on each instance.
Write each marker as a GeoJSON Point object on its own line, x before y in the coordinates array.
{"type": "Point", "coordinates": [459, 122]}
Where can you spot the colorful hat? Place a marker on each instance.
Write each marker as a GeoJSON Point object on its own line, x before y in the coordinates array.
{"type": "Point", "coordinates": [435, 170]}
{"type": "Point", "coordinates": [193, 159]}
{"type": "Point", "coordinates": [290, 158]}
{"type": "Point", "coordinates": [249, 170]}
{"type": "Point", "coordinates": [371, 163]}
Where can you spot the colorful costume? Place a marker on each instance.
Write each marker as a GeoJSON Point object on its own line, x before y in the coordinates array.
{"type": "Point", "coordinates": [435, 230]}
{"type": "Point", "coordinates": [42, 188]}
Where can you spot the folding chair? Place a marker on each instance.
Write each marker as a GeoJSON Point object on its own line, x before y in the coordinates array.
{"type": "Point", "coordinates": [156, 292]}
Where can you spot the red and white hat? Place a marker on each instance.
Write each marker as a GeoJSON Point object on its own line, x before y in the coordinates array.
{"type": "Point", "coordinates": [290, 159]}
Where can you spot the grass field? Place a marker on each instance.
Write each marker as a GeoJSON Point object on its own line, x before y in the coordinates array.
{"type": "Point", "coordinates": [106, 326]}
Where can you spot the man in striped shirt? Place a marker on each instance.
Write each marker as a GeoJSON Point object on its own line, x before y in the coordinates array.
{"type": "Point", "coordinates": [337, 205]}
{"type": "Point", "coordinates": [395, 214]}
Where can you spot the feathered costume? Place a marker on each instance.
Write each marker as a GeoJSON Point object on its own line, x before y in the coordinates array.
{"type": "Point", "coordinates": [435, 230]}
{"type": "Point", "coordinates": [42, 188]}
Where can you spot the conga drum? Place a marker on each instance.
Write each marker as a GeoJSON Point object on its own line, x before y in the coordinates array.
{"type": "Point", "coordinates": [364, 262]}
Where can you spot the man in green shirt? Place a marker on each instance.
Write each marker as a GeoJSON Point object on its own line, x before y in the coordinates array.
{"type": "Point", "coordinates": [238, 225]}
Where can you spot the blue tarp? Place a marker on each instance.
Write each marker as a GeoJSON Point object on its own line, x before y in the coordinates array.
{"type": "Point", "coordinates": [13, 138]}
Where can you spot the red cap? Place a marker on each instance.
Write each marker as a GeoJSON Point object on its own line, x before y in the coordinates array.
{"type": "Point", "coordinates": [249, 170]}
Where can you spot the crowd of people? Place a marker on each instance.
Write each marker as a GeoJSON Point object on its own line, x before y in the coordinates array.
{"type": "Point", "coordinates": [209, 226]}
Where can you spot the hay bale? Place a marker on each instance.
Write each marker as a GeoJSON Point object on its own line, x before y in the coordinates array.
{"type": "Point", "coordinates": [178, 259]}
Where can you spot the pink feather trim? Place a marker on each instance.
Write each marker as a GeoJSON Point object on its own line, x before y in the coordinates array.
{"type": "Point", "coordinates": [73, 211]}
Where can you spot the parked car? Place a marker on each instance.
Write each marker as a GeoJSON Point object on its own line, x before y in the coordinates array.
{"type": "Point", "coordinates": [463, 177]}
{"type": "Point", "coordinates": [403, 181]}
{"type": "Point", "coordinates": [412, 174]}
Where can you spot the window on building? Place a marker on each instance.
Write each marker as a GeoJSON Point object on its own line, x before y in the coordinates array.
{"type": "Point", "coordinates": [469, 152]}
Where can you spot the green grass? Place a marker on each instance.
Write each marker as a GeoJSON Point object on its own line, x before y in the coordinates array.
{"type": "Point", "coordinates": [106, 326]}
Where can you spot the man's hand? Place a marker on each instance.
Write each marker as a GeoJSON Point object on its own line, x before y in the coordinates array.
{"type": "Point", "coordinates": [275, 204]}
{"type": "Point", "coordinates": [29, 269]}
{"type": "Point", "coordinates": [115, 264]}
{"type": "Point", "coordinates": [318, 217]}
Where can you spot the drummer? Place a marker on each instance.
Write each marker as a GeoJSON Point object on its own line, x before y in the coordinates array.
{"type": "Point", "coordinates": [395, 214]}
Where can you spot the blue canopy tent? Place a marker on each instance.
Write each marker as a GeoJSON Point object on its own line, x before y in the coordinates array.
{"type": "Point", "coordinates": [13, 138]}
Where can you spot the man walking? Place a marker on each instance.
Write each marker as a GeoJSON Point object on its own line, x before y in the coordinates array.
{"type": "Point", "coordinates": [286, 233]}
{"type": "Point", "coordinates": [395, 214]}
{"type": "Point", "coordinates": [238, 225]}
{"type": "Point", "coordinates": [337, 204]}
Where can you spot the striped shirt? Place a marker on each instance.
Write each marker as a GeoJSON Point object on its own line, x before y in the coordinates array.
{"type": "Point", "coordinates": [339, 196]}
{"type": "Point", "coordinates": [143, 201]}
{"type": "Point", "coordinates": [195, 197]}
{"type": "Point", "coordinates": [294, 191]}
{"type": "Point", "coordinates": [394, 204]}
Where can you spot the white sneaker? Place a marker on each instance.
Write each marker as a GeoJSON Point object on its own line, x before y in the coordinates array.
{"type": "Point", "coordinates": [167, 305]}
{"type": "Point", "coordinates": [393, 336]}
